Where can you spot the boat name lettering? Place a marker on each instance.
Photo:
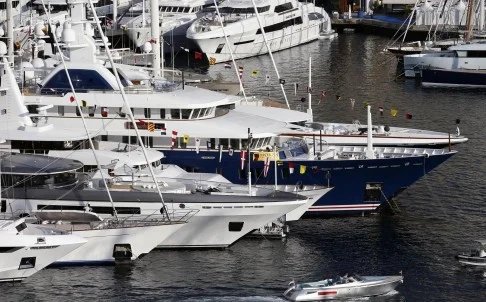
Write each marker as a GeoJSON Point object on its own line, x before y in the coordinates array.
{"type": "Point", "coordinates": [261, 156]}
{"type": "Point", "coordinates": [290, 16]}
{"type": "Point", "coordinates": [208, 157]}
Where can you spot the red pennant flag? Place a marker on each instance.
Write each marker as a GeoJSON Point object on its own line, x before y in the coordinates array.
{"type": "Point", "coordinates": [243, 158]}
{"type": "Point", "coordinates": [267, 166]}
{"type": "Point", "coordinates": [409, 116]}
{"type": "Point", "coordinates": [291, 168]}
{"type": "Point", "coordinates": [174, 137]}
{"type": "Point", "coordinates": [71, 99]}
{"type": "Point", "coordinates": [197, 55]}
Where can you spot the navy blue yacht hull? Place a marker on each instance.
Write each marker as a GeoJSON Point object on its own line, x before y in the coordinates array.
{"type": "Point", "coordinates": [350, 178]}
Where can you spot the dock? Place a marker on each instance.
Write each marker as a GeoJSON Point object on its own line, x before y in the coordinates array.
{"type": "Point", "coordinates": [386, 26]}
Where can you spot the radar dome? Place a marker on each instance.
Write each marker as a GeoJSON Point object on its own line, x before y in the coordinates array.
{"type": "Point", "coordinates": [3, 48]}
{"type": "Point", "coordinates": [38, 63]}
{"type": "Point", "coordinates": [68, 34]}
{"type": "Point", "coordinates": [147, 47]}
{"type": "Point", "coordinates": [27, 74]}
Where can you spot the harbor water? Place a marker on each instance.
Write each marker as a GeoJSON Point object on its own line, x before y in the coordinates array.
{"type": "Point", "coordinates": [431, 221]}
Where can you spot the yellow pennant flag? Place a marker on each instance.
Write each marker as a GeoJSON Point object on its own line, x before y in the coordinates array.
{"type": "Point", "coordinates": [212, 61]}
{"type": "Point", "coordinates": [302, 169]}
{"type": "Point", "coordinates": [151, 127]}
{"type": "Point", "coordinates": [254, 73]}
{"type": "Point", "coordinates": [185, 139]}
{"type": "Point", "coordinates": [393, 112]}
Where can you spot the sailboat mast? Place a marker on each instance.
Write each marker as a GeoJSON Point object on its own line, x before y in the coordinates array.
{"type": "Point", "coordinates": [10, 45]}
{"type": "Point", "coordinates": [309, 90]}
{"type": "Point", "coordinates": [155, 30]}
{"type": "Point", "coordinates": [470, 15]}
{"type": "Point", "coordinates": [269, 51]}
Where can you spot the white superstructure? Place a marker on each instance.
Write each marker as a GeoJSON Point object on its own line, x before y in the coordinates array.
{"type": "Point", "coordinates": [287, 23]}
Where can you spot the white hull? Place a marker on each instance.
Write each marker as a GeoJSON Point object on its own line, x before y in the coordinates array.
{"type": "Point", "coordinates": [209, 227]}
{"type": "Point", "coordinates": [100, 243]}
{"type": "Point", "coordinates": [42, 249]}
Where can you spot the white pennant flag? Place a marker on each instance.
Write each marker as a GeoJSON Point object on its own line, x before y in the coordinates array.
{"type": "Point", "coordinates": [198, 143]}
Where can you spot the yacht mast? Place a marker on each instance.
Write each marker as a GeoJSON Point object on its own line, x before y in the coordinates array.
{"type": "Point", "coordinates": [10, 45]}
{"type": "Point", "coordinates": [127, 104]}
{"type": "Point", "coordinates": [242, 89]}
{"type": "Point", "coordinates": [154, 26]}
{"type": "Point", "coordinates": [309, 90]}
{"type": "Point", "coordinates": [270, 52]}
{"type": "Point", "coordinates": [470, 15]}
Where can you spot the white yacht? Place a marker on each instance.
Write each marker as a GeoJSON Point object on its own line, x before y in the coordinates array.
{"type": "Point", "coordinates": [28, 248]}
{"type": "Point", "coordinates": [286, 23]}
{"type": "Point", "coordinates": [462, 56]}
{"type": "Point", "coordinates": [175, 17]}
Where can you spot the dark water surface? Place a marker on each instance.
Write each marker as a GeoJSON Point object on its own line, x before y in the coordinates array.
{"type": "Point", "coordinates": [439, 215]}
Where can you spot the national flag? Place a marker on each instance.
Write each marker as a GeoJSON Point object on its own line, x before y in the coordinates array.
{"type": "Point", "coordinates": [104, 111]}
{"type": "Point", "coordinates": [174, 138]}
{"type": "Point", "coordinates": [338, 97]}
{"type": "Point", "coordinates": [255, 73]}
{"type": "Point", "coordinates": [291, 167]}
{"type": "Point", "coordinates": [266, 166]}
{"type": "Point", "coordinates": [309, 89]}
{"type": "Point", "coordinates": [72, 99]}
{"type": "Point", "coordinates": [393, 112]}
{"type": "Point", "coordinates": [212, 61]}
{"type": "Point", "coordinates": [243, 158]}
{"type": "Point", "coordinates": [296, 87]}
{"type": "Point", "coordinates": [281, 81]}
{"type": "Point", "coordinates": [227, 65]}
{"type": "Point", "coordinates": [267, 79]}
{"type": "Point", "coordinates": [198, 144]}
{"type": "Point", "coordinates": [197, 55]}
{"type": "Point", "coordinates": [231, 151]}
{"type": "Point", "coordinates": [163, 131]}
{"type": "Point", "coordinates": [151, 127]}
{"type": "Point", "coordinates": [302, 169]}
{"type": "Point", "coordinates": [185, 138]}
{"type": "Point", "coordinates": [240, 71]}
{"type": "Point", "coordinates": [381, 110]}
{"type": "Point", "coordinates": [220, 152]}
{"type": "Point", "coordinates": [408, 116]}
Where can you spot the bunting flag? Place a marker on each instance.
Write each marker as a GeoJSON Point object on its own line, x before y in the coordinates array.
{"type": "Point", "coordinates": [302, 169]}
{"type": "Point", "coordinates": [291, 167]}
{"type": "Point", "coordinates": [198, 144]}
{"type": "Point", "coordinates": [163, 131]}
{"type": "Point", "coordinates": [322, 96]}
{"type": "Point", "coordinates": [254, 73]}
{"type": "Point", "coordinates": [231, 151]}
{"type": "Point", "coordinates": [267, 79]}
{"type": "Point", "coordinates": [72, 99]}
{"type": "Point", "coordinates": [198, 56]}
{"type": "Point", "coordinates": [220, 152]}
{"type": "Point", "coordinates": [266, 166]}
{"type": "Point", "coordinates": [309, 89]}
{"type": "Point", "coordinates": [338, 97]}
{"type": "Point", "coordinates": [212, 61]}
{"type": "Point", "coordinates": [296, 87]}
{"type": "Point", "coordinates": [174, 137]}
{"type": "Point", "coordinates": [227, 65]}
{"type": "Point", "coordinates": [185, 138]}
{"type": "Point", "coordinates": [104, 111]}
{"type": "Point", "coordinates": [393, 112]}
{"type": "Point", "coordinates": [352, 103]}
{"type": "Point", "coordinates": [151, 127]}
{"type": "Point", "coordinates": [240, 71]}
{"type": "Point", "coordinates": [408, 116]}
{"type": "Point", "coordinates": [243, 158]}
{"type": "Point", "coordinates": [281, 81]}
{"type": "Point", "coordinates": [381, 110]}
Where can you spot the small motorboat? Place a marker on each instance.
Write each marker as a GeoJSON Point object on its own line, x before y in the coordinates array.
{"type": "Point", "coordinates": [476, 257]}
{"type": "Point", "coordinates": [353, 286]}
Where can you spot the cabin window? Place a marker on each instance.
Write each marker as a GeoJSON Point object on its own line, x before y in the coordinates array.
{"type": "Point", "coordinates": [146, 112]}
{"type": "Point", "coordinates": [91, 111]}
{"type": "Point", "coordinates": [281, 25]}
{"type": "Point", "coordinates": [195, 113]}
{"type": "Point", "coordinates": [244, 144]}
{"type": "Point", "coordinates": [235, 143]}
{"type": "Point", "coordinates": [78, 113]}
{"type": "Point", "coordinates": [162, 113]}
{"type": "Point", "coordinates": [283, 7]}
{"type": "Point", "coordinates": [235, 226]}
{"type": "Point", "coordinates": [175, 113]}
{"type": "Point", "coordinates": [60, 110]}
{"type": "Point", "coordinates": [373, 192]}
{"type": "Point", "coordinates": [81, 79]}
{"type": "Point", "coordinates": [219, 48]}
{"type": "Point", "coordinates": [224, 142]}
{"type": "Point", "coordinates": [212, 142]}
{"type": "Point", "coordinates": [3, 207]}
{"type": "Point", "coordinates": [185, 113]}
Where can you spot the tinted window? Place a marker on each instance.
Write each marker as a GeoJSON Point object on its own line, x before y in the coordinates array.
{"type": "Point", "coordinates": [82, 80]}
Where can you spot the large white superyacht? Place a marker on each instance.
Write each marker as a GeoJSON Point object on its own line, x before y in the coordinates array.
{"type": "Point", "coordinates": [286, 23]}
